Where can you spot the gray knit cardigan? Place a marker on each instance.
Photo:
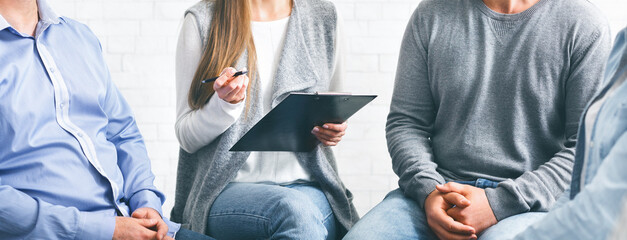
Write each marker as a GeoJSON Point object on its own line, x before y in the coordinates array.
{"type": "Point", "coordinates": [306, 65]}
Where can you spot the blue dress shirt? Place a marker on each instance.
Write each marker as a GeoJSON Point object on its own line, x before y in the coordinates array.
{"type": "Point", "coordinates": [71, 155]}
{"type": "Point", "coordinates": [599, 183]}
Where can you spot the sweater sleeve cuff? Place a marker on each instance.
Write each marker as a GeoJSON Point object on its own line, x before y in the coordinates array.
{"type": "Point", "coordinates": [145, 198]}
{"type": "Point", "coordinates": [421, 191]}
{"type": "Point", "coordinates": [95, 226]}
{"type": "Point", "coordinates": [504, 203]}
{"type": "Point", "coordinates": [229, 108]}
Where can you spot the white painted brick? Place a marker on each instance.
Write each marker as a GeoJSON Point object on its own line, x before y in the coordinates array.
{"type": "Point", "coordinates": [388, 62]}
{"type": "Point", "coordinates": [362, 63]}
{"type": "Point", "coordinates": [353, 166]}
{"type": "Point", "coordinates": [367, 182]}
{"type": "Point", "coordinates": [383, 165]}
{"type": "Point", "coordinates": [160, 167]}
{"type": "Point", "coordinates": [150, 45]}
{"type": "Point", "coordinates": [170, 10]}
{"type": "Point", "coordinates": [166, 131]}
{"type": "Point", "coordinates": [89, 10]}
{"type": "Point", "coordinates": [159, 28]}
{"type": "Point", "coordinates": [368, 11]}
{"type": "Point", "coordinates": [122, 28]}
{"type": "Point", "coordinates": [121, 44]}
{"type": "Point", "coordinates": [129, 10]}
{"type": "Point", "coordinates": [127, 80]}
{"type": "Point", "coordinates": [396, 11]}
{"type": "Point", "coordinates": [374, 45]}
{"type": "Point", "coordinates": [355, 28]}
{"type": "Point", "coordinates": [64, 7]}
{"type": "Point", "coordinates": [391, 29]}
{"type": "Point", "coordinates": [114, 61]}
{"type": "Point", "coordinates": [152, 115]}
{"type": "Point", "coordinates": [148, 131]}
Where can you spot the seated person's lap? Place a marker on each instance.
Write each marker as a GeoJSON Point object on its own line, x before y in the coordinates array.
{"type": "Point", "coordinates": [399, 217]}
{"type": "Point", "coordinates": [252, 211]}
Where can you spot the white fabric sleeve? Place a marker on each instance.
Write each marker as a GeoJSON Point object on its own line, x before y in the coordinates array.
{"type": "Point", "coordinates": [197, 128]}
{"type": "Point", "coordinates": [337, 78]}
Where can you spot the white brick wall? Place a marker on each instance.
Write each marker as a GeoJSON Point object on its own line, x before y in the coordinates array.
{"type": "Point", "coordinates": [139, 40]}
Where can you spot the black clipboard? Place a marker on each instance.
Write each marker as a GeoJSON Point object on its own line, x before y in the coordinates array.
{"type": "Point", "coordinates": [287, 127]}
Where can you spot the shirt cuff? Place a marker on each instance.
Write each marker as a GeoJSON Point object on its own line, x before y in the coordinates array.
{"type": "Point", "coordinates": [95, 226]}
{"type": "Point", "coordinates": [173, 227]}
{"type": "Point", "coordinates": [504, 203]}
{"type": "Point", "coordinates": [145, 198]}
{"type": "Point", "coordinates": [229, 108]}
{"type": "Point", "coordinates": [421, 191]}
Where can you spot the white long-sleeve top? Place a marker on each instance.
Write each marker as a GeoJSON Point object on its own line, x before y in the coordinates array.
{"type": "Point", "coordinates": [197, 128]}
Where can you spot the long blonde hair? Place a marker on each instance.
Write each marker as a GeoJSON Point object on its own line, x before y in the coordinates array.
{"type": "Point", "coordinates": [229, 36]}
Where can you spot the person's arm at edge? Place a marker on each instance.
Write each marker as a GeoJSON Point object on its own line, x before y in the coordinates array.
{"type": "Point", "coordinates": [592, 213]}
{"type": "Point", "coordinates": [24, 217]}
{"type": "Point", "coordinates": [537, 190]}
{"type": "Point", "coordinates": [197, 128]}
{"type": "Point", "coordinates": [411, 118]}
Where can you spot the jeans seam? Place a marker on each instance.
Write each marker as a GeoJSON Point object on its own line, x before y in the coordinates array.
{"type": "Point", "coordinates": [239, 214]}
{"type": "Point", "coordinates": [327, 217]}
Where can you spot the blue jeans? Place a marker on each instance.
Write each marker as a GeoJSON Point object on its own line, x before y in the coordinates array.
{"type": "Point", "coordinates": [184, 234]}
{"type": "Point", "coordinates": [264, 211]}
{"type": "Point", "coordinates": [399, 217]}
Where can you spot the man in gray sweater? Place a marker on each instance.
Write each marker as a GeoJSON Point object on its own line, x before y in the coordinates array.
{"type": "Point", "coordinates": [488, 94]}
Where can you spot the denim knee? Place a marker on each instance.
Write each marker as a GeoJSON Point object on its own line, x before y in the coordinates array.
{"type": "Point", "coordinates": [295, 213]}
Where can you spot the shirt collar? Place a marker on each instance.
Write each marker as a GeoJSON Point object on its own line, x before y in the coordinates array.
{"type": "Point", "coordinates": [3, 23]}
{"type": "Point", "coordinates": [46, 15]}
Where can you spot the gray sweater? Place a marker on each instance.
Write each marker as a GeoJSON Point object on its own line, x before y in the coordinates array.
{"type": "Point", "coordinates": [306, 65]}
{"type": "Point", "coordinates": [480, 94]}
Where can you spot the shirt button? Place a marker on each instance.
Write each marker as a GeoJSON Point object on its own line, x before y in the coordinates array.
{"type": "Point", "coordinates": [80, 134]}
{"type": "Point", "coordinates": [61, 106]}
{"type": "Point", "coordinates": [52, 70]}
{"type": "Point", "coordinates": [591, 144]}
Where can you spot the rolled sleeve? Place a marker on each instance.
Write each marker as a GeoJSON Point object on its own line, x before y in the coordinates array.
{"type": "Point", "coordinates": [145, 198]}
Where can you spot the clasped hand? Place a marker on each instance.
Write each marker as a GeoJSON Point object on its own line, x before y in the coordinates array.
{"type": "Point", "coordinates": [458, 211]}
{"type": "Point", "coordinates": [144, 223]}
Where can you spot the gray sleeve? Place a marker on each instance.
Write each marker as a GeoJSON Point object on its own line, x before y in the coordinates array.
{"type": "Point", "coordinates": [411, 118]}
{"type": "Point", "coordinates": [537, 190]}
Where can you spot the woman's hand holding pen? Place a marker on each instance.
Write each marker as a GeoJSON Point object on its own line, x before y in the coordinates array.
{"type": "Point", "coordinates": [330, 134]}
{"type": "Point", "coordinates": [230, 89]}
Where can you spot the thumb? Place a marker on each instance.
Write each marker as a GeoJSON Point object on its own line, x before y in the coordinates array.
{"type": "Point", "coordinates": [139, 213]}
{"type": "Point", "coordinates": [443, 188]}
{"type": "Point", "coordinates": [453, 187]}
{"type": "Point", "coordinates": [147, 223]}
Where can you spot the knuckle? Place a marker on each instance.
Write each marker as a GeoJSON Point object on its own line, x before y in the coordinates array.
{"type": "Point", "coordinates": [450, 226]}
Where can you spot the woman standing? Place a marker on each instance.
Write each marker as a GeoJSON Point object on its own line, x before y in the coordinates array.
{"type": "Point", "coordinates": [288, 46]}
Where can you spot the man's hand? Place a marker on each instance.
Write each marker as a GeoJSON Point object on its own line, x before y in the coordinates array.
{"type": "Point", "coordinates": [330, 134]}
{"type": "Point", "coordinates": [149, 213]}
{"type": "Point", "coordinates": [479, 214]}
{"type": "Point", "coordinates": [131, 228]}
{"type": "Point", "coordinates": [443, 225]}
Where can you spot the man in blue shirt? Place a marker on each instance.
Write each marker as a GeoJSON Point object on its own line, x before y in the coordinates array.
{"type": "Point", "coordinates": [73, 164]}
